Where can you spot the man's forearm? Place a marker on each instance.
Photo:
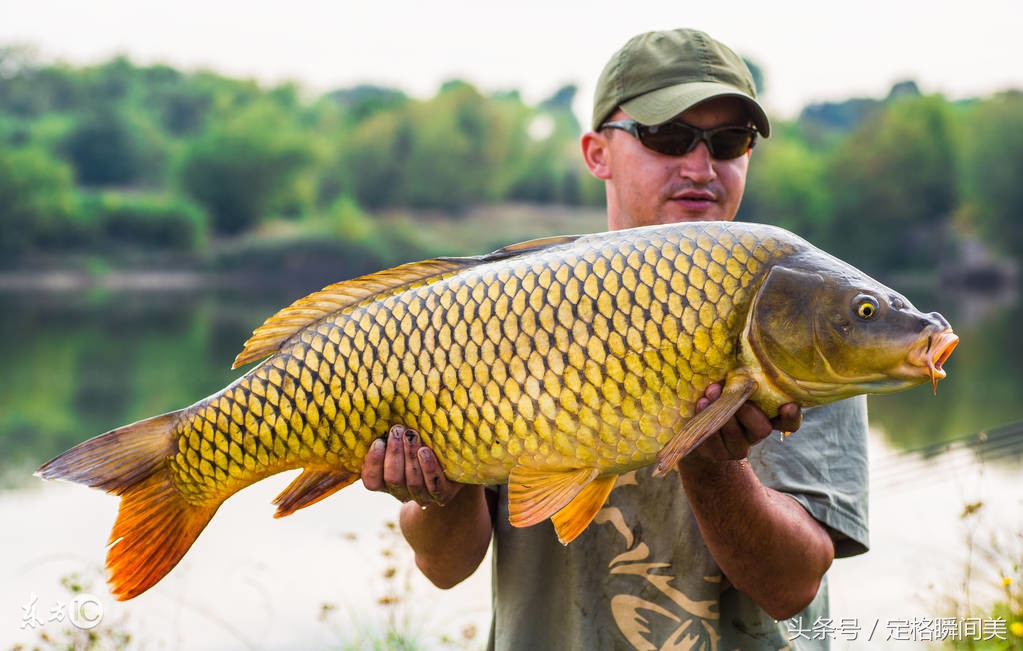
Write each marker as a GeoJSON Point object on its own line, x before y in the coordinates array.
{"type": "Point", "coordinates": [764, 541]}
{"type": "Point", "coordinates": [449, 541]}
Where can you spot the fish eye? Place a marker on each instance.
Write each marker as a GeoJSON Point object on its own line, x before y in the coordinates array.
{"type": "Point", "coordinates": [866, 306]}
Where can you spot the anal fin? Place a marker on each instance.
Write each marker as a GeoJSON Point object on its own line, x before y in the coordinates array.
{"type": "Point", "coordinates": [737, 389]}
{"type": "Point", "coordinates": [535, 495]}
{"type": "Point", "coordinates": [309, 488]}
{"type": "Point", "coordinates": [571, 520]}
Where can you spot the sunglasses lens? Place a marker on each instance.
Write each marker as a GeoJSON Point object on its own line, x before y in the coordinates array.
{"type": "Point", "coordinates": [677, 139]}
{"type": "Point", "coordinates": [671, 138]}
{"type": "Point", "coordinates": [730, 143]}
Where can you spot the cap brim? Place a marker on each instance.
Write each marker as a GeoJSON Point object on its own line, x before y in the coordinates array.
{"type": "Point", "coordinates": [663, 104]}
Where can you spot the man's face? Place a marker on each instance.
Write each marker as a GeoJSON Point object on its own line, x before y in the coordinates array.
{"type": "Point", "coordinates": [645, 187]}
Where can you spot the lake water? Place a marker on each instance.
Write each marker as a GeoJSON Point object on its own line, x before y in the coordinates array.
{"type": "Point", "coordinates": [81, 360]}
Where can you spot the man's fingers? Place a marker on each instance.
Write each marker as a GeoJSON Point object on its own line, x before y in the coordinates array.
{"type": "Point", "coordinates": [754, 423]}
{"type": "Point", "coordinates": [411, 445]}
{"type": "Point", "coordinates": [415, 481]}
{"type": "Point", "coordinates": [789, 418]}
{"type": "Point", "coordinates": [747, 427]}
{"type": "Point", "coordinates": [712, 393]}
{"type": "Point", "coordinates": [401, 465]}
{"type": "Point", "coordinates": [373, 466]}
{"type": "Point", "coordinates": [441, 490]}
{"type": "Point", "coordinates": [394, 464]}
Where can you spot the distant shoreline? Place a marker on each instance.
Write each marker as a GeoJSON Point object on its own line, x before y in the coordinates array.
{"type": "Point", "coordinates": [69, 281]}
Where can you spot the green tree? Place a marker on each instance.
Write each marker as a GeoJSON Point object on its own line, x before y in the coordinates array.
{"type": "Point", "coordinates": [443, 153]}
{"type": "Point", "coordinates": [179, 103]}
{"type": "Point", "coordinates": [248, 166]}
{"type": "Point", "coordinates": [992, 169]}
{"type": "Point", "coordinates": [365, 100]}
{"type": "Point", "coordinates": [30, 89]}
{"type": "Point", "coordinates": [115, 146]}
{"type": "Point", "coordinates": [460, 141]}
{"type": "Point", "coordinates": [788, 186]}
{"type": "Point", "coordinates": [894, 185]}
{"type": "Point", "coordinates": [374, 158]}
{"type": "Point", "coordinates": [36, 198]}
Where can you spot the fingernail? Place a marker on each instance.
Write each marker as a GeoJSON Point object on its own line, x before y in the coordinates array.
{"type": "Point", "coordinates": [377, 446]}
{"type": "Point", "coordinates": [410, 436]}
{"type": "Point", "coordinates": [425, 454]}
{"type": "Point", "coordinates": [396, 431]}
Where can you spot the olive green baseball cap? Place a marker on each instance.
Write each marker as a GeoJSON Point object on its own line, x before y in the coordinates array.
{"type": "Point", "coordinates": [658, 75]}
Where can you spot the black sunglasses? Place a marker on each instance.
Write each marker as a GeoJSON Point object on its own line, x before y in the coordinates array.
{"type": "Point", "coordinates": [678, 138]}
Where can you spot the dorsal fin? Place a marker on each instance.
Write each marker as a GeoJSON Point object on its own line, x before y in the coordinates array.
{"type": "Point", "coordinates": [524, 247]}
{"type": "Point", "coordinates": [268, 338]}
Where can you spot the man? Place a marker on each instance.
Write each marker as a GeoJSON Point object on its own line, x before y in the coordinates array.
{"type": "Point", "coordinates": [743, 535]}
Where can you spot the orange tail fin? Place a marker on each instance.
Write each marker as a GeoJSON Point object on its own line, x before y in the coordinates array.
{"type": "Point", "coordinates": [155, 524]}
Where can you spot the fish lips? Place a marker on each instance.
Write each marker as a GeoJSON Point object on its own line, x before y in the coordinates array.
{"type": "Point", "coordinates": [937, 351]}
{"type": "Point", "coordinates": [928, 356]}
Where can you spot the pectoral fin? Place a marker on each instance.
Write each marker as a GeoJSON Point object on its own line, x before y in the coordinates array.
{"type": "Point", "coordinates": [570, 521]}
{"type": "Point", "coordinates": [737, 389]}
{"type": "Point", "coordinates": [535, 495]}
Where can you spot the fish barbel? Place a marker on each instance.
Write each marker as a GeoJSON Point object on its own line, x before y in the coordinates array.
{"type": "Point", "coordinates": [552, 366]}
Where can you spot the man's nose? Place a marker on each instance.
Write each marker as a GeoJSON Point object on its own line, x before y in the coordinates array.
{"type": "Point", "coordinates": [697, 165]}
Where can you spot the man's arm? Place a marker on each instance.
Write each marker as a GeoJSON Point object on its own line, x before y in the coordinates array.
{"type": "Point", "coordinates": [765, 542]}
{"type": "Point", "coordinates": [448, 525]}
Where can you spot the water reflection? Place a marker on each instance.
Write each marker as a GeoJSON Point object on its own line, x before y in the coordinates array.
{"type": "Point", "coordinates": [77, 365]}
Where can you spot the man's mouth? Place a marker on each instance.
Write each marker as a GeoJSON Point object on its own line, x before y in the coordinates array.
{"type": "Point", "coordinates": [694, 197]}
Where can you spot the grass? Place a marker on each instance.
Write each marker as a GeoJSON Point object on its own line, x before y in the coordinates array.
{"type": "Point", "coordinates": [991, 589]}
{"type": "Point", "coordinates": [393, 626]}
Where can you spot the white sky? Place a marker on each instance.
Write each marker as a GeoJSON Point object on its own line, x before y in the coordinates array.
{"type": "Point", "coordinates": [810, 50]}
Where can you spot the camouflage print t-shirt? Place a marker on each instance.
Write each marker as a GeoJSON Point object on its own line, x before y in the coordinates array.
{"type": "Point", "coordinates": [641, 577]}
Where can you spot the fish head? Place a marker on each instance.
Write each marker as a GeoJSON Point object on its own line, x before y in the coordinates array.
{"type": "Point", "coordinates": [830, 333]}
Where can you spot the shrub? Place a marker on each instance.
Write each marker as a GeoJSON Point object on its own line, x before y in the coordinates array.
{"type": "Point", "coordinates": [158, 221]}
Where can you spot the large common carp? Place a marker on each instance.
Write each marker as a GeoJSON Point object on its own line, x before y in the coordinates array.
{"type": "Point", "coordinates": [552, 366]}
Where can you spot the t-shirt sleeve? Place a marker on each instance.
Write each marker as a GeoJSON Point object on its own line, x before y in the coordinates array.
{"type": "Point", "coordinates": [824, 466]}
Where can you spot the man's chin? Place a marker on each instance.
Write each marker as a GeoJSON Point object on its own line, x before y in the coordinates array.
{"type": "Point", "coordinates": [676, 217]}
{"type": "Point", "coordinates": [692, 211]}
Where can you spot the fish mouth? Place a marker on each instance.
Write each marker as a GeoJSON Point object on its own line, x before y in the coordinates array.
{"type": "Point", "coordinates": [939, 348]}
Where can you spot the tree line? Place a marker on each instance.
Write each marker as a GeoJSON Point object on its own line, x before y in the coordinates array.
{"type": "Point", "coordinates": [118, 156]}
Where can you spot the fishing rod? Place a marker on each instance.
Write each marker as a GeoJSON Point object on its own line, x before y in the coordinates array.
{"type": "Point", "coordinates": [904, 467]}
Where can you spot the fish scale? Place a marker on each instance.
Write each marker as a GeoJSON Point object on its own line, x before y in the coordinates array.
{"type": "Point", "coordinates": [566, 361]}
{"type": "Point", "coordinates": [552, 366]}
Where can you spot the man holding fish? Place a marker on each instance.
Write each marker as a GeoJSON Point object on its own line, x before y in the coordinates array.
{"type": "Point", "coordinates": [740, 540]}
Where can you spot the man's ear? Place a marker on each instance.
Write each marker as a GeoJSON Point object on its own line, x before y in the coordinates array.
{"type": "Point", "coordinates": [596, 154]}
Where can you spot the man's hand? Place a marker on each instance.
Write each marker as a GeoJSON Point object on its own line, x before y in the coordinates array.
{"type": "Point", "coordinates": [449, 543]}
{"type": "Point", "coordinates": [745, 429]}
{"type": "Point", "coordinates": [407, 469]}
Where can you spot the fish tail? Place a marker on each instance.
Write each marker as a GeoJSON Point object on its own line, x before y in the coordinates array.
{"type": "Point", "coordinates": [155, 524]}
